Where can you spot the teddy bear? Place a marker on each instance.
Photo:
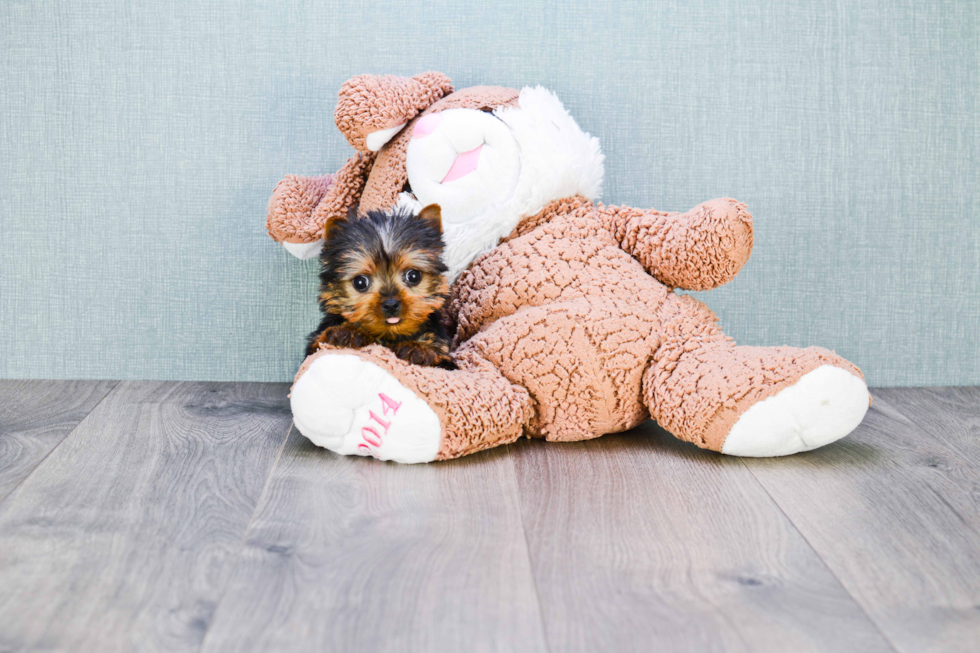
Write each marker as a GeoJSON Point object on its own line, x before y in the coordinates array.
{"type": "Point", "coordinates": [566, 316]}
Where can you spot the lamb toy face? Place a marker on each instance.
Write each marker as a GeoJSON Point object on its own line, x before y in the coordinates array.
{"type": "Point", "coordinates": [567, 326]}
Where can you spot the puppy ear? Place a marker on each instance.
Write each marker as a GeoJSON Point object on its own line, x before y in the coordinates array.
{"type": "Point", "coordinates": [331, 224]}
{"type": "Point", "coordinates": [433, 215]}
{"type": "Point", "coordinates": [371, 109]}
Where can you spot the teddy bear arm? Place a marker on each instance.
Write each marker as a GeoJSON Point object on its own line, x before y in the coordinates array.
{"type": "Point", "coordinates": [698, 250]}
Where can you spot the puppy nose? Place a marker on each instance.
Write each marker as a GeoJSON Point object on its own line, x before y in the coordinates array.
{"type": "Point", "coordinates": [426, 125]}
{"type": "Point", "coordinates": [391, 305]}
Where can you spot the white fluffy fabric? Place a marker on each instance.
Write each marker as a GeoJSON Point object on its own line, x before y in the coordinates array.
{"type": "Point", "coordinates": [408, 201]}
{"type": "Point", "coordinates": [338, 403]}
{"type": "Point", "coordinates": [823, 406]}
{"type": "Point", "coordinates": [557, 160]}
{"type": "Point", "coordinates": [376, 140]}
{"type": "Point", "coordinates": [304, 250]}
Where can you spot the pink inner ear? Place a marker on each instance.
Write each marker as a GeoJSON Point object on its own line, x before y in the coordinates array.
{"type": "Point", "coordinates": [426, 125]}
{"type": "Point", "coordinates": [464, 164]}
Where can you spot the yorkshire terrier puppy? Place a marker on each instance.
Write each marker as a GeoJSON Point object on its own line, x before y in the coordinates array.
{"type": "Point", "coordinates": [383, 282]}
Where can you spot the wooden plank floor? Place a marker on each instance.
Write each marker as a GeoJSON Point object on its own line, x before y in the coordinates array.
{"type": "Point", "coordinates": [145, 516]}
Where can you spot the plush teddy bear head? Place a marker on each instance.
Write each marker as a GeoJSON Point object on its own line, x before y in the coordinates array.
{"type": "Point", "coordinates": [489, 156]}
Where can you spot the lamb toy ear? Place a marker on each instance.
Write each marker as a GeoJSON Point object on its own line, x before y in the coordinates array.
{"type": "Point", "coordinates": [371, 109]}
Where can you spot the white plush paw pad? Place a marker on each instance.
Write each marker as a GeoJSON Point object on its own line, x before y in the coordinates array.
{"type": "Point", "coordinates": [304, 250]}
{"type": "Point", "coordinates": [823, 406]}
{"type": "Point", "coordinates": [353, 407]}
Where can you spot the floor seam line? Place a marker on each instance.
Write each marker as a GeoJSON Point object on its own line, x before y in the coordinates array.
{"type": "Point", "coordinates": [937, 440]}
{"type": "Point", "coordinates": [9, 494]}
{"type": "Point", "coordinates": [527, 549]}
{"type": "Point", "coordinates": [248, 530]}
{"type": "Point", "coordinates": [829, 569]}
{"type": "Point", "coordinates": [945, 446]}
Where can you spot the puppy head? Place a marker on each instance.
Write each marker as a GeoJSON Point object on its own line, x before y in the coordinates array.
{"type": "Point", "coordinates": [383, 270]}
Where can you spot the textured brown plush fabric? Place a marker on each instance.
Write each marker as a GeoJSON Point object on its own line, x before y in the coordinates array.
{"type": "Point", "coordinates": [369, 103]}
{"type": "Point", "coordinates": [291, 207]}
{"type": "Point", "coordinates": [700, 382]}
{"type": "Point", "coordinates": [699, 250]}
{"type": "Point", "coordinates": [389, 176]}
{"type": "Point", "coordinates": [344, 194]}
{"type": "Point", "coordinates": [300, 206]}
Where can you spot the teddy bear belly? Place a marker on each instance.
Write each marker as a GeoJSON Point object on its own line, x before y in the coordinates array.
{"type": "Point", "coordinates": [544, 268]}
{"type": "Point", "coordinates": [582, 364]}
{"type": "Point", "coordinates": [564, 312]}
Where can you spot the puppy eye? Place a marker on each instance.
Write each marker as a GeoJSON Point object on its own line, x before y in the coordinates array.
{"type": "Point", "coordinates": [413, 277]}
{"type": "Point", "coordinates": [361, 283]}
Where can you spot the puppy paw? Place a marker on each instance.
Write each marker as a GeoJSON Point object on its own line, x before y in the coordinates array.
{"type": "Point", "coordinates": [423, 353]}
{"type": "Point", "coordinates": [447, 363]}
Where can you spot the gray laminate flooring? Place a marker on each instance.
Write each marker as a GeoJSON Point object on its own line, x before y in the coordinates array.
{"type": "Point", "coordinates": [153, 516]}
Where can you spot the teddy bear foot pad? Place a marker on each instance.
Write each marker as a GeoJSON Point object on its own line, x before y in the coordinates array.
{"type": "Point", "coordinates": [353, 407]}
{"type": "Point", "coordinates": [823, 406]}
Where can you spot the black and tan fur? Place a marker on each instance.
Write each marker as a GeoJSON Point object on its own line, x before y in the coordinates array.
{"type": "Point", "coordinates": [378, 268]}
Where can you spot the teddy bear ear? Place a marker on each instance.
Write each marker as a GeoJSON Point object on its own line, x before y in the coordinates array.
{"type": "Point", "coordinates": [371, 109]}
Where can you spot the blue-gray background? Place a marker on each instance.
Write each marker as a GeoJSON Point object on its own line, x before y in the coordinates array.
{"type": "Point", "coordinates": [139, 142]}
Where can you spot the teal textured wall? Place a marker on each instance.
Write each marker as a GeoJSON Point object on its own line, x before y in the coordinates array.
{"type": "Point", "coordinates": [139, 142]}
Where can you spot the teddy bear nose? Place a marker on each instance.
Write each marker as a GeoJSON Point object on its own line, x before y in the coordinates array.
{"type": "Point", "coordinates": [426, 125]}
{"type": "Point", "coordinates": [391, 305]}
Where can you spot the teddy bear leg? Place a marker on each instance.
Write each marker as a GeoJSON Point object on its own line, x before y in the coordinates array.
{"type": "Point", "coordinates": [747, 401]}
{"type": "Point", "coordinates": [368, 402]}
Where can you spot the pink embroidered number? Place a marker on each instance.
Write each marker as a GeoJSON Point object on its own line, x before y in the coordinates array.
{"type": "Point", "coordinates": [387, 402]}
{"type": "Point", "coordinates": [379, 420]}
{"type": "Point", "coordinates": [373, 439]}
